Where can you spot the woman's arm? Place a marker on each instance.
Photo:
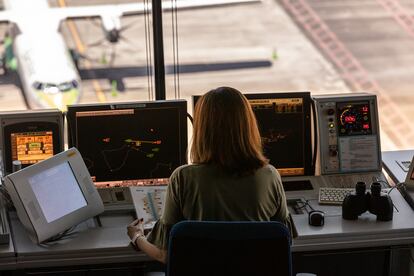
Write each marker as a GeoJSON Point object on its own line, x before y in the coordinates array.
{"type": "Point", "coordinates": [136, 233]}
{"type": "Point", "coordinates": [151, 250]}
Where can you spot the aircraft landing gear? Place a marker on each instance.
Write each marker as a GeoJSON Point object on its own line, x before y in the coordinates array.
{"type": "Point", "coordinates": [75, 57]}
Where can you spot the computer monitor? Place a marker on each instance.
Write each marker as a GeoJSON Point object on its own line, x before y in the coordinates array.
{"type": "Point", "coordinates": [30, 136]}
{"type": "Point", "coordinates": [128, 144]}
{"type": "Point", "coordinates": [284, 121]}
{"type": "Point", "coordinates": [53, 195]}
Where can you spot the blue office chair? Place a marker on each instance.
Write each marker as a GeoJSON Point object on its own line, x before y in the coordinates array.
{"type": "Point", "coordinates": [229, 248]}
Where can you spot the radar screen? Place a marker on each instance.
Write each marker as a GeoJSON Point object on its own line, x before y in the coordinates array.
{"type": "Point", "coordinates": [282, 127]}
{"type": "Point", "coordinates": [130, 144]}
{"type": "Point", "coordinates": [31, 147]}
{"type": "Point", "coordinates": [354, 118]}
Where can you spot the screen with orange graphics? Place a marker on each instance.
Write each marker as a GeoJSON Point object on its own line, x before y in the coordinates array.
{"type": "Point", "coordinates": [31, 147]}
{"type": "Point", "coordinates": [130, 142]}
{"type": "Point", "coordinates": [284, 121]}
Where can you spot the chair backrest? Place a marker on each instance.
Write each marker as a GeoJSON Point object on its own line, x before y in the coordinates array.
{"type": "Point", "coordinates": [229, 248]}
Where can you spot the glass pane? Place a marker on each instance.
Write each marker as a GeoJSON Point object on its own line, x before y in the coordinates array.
{"type": "Point", "coordinates": [90, 59]}
{"type": "Point", "coordinates": [320, 46]}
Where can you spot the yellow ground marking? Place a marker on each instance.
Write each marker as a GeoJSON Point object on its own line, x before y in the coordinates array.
{"type": "Point", "coordinates": [82, 49]}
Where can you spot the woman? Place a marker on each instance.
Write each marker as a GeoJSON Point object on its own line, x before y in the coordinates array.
{"type": "Point", "coordinates": [229, 179]}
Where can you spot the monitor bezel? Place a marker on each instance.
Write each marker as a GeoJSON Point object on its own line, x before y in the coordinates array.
{"type": "Point", "coordinates": [27, 127]}
{"type": "Point", "coordinates": [180, 104]}
{"type": "Point", "coordinates": [359, 97]}
{"type": "Point", "coordinates": [28, 207]}
{"type": "Point", "coordinates": [307, 102]}
{"type": "Point", "coordinates": [28, 120]}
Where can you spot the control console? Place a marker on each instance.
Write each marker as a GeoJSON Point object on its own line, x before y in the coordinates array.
{"type": "Point", "coordinates": [348, 133]}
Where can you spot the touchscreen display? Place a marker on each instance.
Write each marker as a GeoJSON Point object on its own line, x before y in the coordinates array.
{"type": "Point", "coordinates": [57, 192]}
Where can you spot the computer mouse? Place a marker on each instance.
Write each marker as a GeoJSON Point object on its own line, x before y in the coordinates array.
{"type": "Point", "coordinates": [316, 218]}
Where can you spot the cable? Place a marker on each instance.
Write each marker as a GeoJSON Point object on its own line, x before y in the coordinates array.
{"type": "Point", "coordinates": [315, 137]}
{"type": "Point", "coordinates": [174, 27]}
{"type": "Point", "coordinates": [376, 179]}
{"type": "Point", "coordinates": [98, 220]}
{"type": "Point", "coordinates": [58, 237]}
{"type": "Point", "coordinates": [5, 196]}
{"type": "Point", "coordinates": [398, 186]}
{"type": "Point", "coordinates": [306, 204]}
{"type": "Point", "coordinates": [190, 118]}
{"type": "Point", "coordinates": [177, 49]}
{"type": "Point", "coordinates": [148, 48]}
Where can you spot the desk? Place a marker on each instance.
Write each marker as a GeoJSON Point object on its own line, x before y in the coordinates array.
{"type": "Point", "coordinates": [363, 247]}
{"type": "Point", "coordinates": [91, 247]}
{"type": "Point", "coordinates": [392, 163]}
{"type": "Point", "coordinates": [7, 256]}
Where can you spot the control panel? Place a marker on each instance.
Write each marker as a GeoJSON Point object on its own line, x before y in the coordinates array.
{"type": "Point", "coordinates": [349, 139]}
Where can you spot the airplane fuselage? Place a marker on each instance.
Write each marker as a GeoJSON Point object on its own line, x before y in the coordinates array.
{"type": "Point", "coordinates": [46, 69]}
{"type": "Point", "coordinates": [47, 72]}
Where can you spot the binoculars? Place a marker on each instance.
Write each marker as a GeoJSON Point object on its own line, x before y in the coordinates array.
{"type": "Point", "coordinates": [360, 201]}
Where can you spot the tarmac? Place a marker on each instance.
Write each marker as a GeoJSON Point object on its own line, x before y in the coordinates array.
{"type": "Point", "coordinates": [254, 48]}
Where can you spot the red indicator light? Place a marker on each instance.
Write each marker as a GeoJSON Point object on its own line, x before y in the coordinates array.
{"type": "Point", "coordinates": [365, 109]}
{"type": "Point", "coordinates": [365, 126]}
{"type": "Point", "coordinates": [350, 119]}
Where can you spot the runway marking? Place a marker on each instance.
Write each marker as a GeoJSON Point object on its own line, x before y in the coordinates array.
{"type": "Point", "coordinates": [404, 19]}
{"type": "Point", "coordinates": [81, 48]}
{"type": "Point", "coordinates": [393, 121]}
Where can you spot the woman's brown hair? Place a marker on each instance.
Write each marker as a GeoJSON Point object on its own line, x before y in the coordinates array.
{"type": "Point", "coordinates": [226, 133]}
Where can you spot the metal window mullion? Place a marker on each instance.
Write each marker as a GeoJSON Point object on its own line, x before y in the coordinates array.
{"type": "Point", "coordinates": [159, 66]}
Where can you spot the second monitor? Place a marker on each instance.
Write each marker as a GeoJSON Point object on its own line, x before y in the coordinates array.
{"type": "Point", "coordinates": [284, 121]}
{"type": "Point", "coordinates": [128, 144]}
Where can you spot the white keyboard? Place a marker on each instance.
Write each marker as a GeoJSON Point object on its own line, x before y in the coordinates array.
{"type": "Point", "coordinates": [333, 196]}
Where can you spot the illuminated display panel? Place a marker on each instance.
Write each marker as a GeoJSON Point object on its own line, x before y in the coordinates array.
{"type": "Point", "coordinates": [284, 122]}
{"type": "Point", "coordinates": [354, 118]}
{"type": "Point", "coordinates": [31, 147]}
{"type": "Point", "coordinates": [140, 145]}
{"type": "Point", "coordinates": [30, 136]}
{"type": "Point", "coordinates": [282, 142]}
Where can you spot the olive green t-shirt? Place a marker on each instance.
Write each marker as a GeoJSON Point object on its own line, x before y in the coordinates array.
{"type": "Point", "coordinates": [205, 192]}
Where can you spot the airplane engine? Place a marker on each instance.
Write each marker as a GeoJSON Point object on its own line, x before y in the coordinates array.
{"type": "Point", "coordinates": [112, 27]}
{"type": "Point", "coordinates": [112, 35]}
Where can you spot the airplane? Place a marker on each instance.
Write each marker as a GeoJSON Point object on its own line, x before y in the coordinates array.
{"type": "Point", "coordinates": [36, 50]}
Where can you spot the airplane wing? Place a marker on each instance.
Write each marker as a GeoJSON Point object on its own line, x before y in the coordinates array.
{"type": "Point", "coordinates": [136, 8]}
{"type": "Point", "coordinates": [98, 11]}
{"type": "Point", "coordinates": [6, 16]}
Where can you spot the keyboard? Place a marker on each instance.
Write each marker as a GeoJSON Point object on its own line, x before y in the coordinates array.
{"type": "Point", "coordinates": [333, 196]}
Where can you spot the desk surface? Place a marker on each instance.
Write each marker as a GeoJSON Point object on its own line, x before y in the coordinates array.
{"type": "Point", "coordinates": [7, 256]}
{"type": "Point", "coordinates": [366, 231]}
{"type": "Point", "coordinates": [392, 163]}
{"type": "Point", "coordinates": [110, 244]}
{"type": "Point", "coordinates": [338, 233]}
{"type": "Point", "coordinates": [89, 245]}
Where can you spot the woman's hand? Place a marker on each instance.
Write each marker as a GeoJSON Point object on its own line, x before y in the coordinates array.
{"type": "Point", "coordinates": [136, 234]}
{"type": "Point", "coordinates": [136, 228]}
